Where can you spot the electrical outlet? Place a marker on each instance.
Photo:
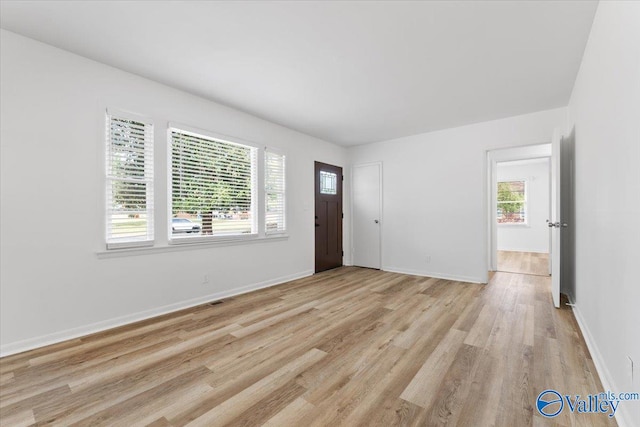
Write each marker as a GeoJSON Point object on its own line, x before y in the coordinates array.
{"type": "Point", "coordinates": [428, 259]}
{"type": "Point", "coordinates": [205, 279]}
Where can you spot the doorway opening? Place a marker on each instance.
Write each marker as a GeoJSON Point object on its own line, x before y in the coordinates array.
{"type": "Point", "coordinates": [523, 203]}
{"type": "Point", "coordinates": [561, 219]}
{"type": "Point", "coordinates": [517, 229]}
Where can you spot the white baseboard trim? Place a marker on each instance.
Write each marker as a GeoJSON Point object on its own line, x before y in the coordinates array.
{"type": "Point", "coordinates": [68, 334]}
{"type": "Point", "coordinates": [433, 274]}
{"type": "Point", "coordinates": [623, 418]}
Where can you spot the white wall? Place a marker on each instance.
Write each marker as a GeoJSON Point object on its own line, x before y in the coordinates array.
{"type": "Point", "coordinates": [53, 284]}
{"type": "Point", "coordinates": [605, 109]}
{"type": "Point", "coordinates": [435, 193]}
{"type": "Point", "coordinates": [533, 237]}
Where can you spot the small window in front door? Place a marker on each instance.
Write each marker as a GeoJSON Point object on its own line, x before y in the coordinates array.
{"type": "Point", "coordinates": [328, 182]}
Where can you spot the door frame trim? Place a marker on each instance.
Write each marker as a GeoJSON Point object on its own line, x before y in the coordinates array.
{"type": "Point", "coordinates": [380, 204]}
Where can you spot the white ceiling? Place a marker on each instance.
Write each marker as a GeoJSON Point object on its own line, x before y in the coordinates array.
{"type": "Point", "coordinates": [347, 72]}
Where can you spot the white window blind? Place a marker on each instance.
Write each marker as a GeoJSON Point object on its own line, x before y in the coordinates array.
{"type": "Point", "coordinates": [275, 208]}
{"type": "Point", "coordinates": [213, 187]}
{"type": "Point", "coordinates": [129, 179]}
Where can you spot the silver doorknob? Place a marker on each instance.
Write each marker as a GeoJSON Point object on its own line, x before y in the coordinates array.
{"type": "Point", "coordinates": [565, 225]}
{"type": "Point", "coordinates": [376, 221]}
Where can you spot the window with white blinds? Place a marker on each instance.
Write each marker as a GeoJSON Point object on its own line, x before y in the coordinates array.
{"type": "Point", "coordinates": [213, 187]}
{"type": "Point", "coordinates": [274, 188]}
{"type": "Point", "coordinates": [129, 179]}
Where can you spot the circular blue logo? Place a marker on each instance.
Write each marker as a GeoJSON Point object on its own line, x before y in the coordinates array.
{"type": "Point", "coordinates": [549, 403]}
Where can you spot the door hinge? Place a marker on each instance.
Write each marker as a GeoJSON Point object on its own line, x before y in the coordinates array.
{"type": "Point", "coordinates": [343, 177]}
{"type": "Point", "coordinates": [342, 215]}
{"type": "Point", "coordinates": [342, 253]}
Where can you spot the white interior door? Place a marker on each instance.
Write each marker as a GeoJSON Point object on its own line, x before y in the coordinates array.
{"type": "Point", "coordinates": [555, 224]}
{"type": "Point", "coordinates": [568, 218]}
{"type": "Point", "coordinates": [367, 207]}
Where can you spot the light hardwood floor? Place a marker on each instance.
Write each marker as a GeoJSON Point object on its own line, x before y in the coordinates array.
{"type": "Point", "coordinates": [523, 262]}
{"type": "Point", "coordinates": [345, 347]}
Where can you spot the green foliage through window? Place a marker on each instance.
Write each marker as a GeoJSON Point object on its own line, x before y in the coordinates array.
{"type": "Point", "coordinates": [511, 206]}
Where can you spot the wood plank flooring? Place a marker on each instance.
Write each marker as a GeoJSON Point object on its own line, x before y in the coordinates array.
{"type": "Point", "coordinates": [523, 262]}
{"type": "Point", "coordinates": [347, 347]}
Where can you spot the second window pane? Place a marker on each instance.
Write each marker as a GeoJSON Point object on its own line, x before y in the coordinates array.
{"type": "Point", "coordinates": [212, 186]}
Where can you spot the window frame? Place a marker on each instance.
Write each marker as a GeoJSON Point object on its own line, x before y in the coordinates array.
{"type": "Point", "coordinates": [525, 203]}
{"type": "Point", "coordinates": [149, 179]}
{"type": "Point", "coordinates": [255, 193]}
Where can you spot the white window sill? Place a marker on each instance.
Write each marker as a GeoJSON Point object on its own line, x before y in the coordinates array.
{"type": "Point", "coordinates": [514, 225]}
{"type": "Point", "coordinates": [186, 246]}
